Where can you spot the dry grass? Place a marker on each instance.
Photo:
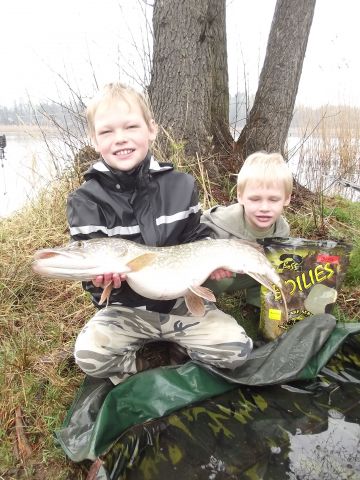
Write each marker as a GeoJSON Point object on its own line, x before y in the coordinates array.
{"type": "Point", "coordinates": [39, 321]}
{"type": "Point", "coordinates": [331, 154]}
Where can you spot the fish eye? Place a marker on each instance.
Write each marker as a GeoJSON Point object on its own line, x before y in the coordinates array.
{"type": "Point", "coordinates": [76, 244]}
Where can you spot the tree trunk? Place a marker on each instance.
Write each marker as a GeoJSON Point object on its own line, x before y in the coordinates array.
{"type": "Point", "coordinates": [271, 114]}
{"type": "Point", "coordinates": [189, 82]}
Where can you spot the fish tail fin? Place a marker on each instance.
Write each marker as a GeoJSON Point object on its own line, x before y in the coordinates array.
{"type": "Point", "coordinates": [262, 279]}
{"type": "Point", "coordinates": [286, 312]}
{"type": "Point", "coordinates": [270, 286]}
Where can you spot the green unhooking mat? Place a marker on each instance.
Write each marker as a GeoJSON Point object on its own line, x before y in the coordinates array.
{"type": "Point", "coordinates": [292, 411]}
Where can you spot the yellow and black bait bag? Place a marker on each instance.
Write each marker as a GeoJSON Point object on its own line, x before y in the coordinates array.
{"type": "Point", "coordinates": [312, 272]}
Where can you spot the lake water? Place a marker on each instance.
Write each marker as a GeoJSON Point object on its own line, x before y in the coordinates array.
{"type": "Point", "coordinates": [29, 166]}
{"type": "Point", "coordinates": [317, 165]}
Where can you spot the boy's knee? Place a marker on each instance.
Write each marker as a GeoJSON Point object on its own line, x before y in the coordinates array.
{"type": "Point", "coordinates": [242, 354]}
{"type": "Point", "coordinates": [236, 353]}
{"type": "Point", "coordinates": [230, 354]}
{"type": "Point", "coordinates": [92, 363]}
{"type": "Point", "coordinates": [233, 334]}
{"type": "Point", "coordinates": [96, 337]}
{"type": "Point", "coordinates": [94, 351]}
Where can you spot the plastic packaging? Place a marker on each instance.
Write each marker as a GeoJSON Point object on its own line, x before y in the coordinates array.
{"type": "Point", "coordinates": [312, 272]}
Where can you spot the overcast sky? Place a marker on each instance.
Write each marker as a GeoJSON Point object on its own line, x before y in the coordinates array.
{"type": "Point", "coordinates": [41, 38]}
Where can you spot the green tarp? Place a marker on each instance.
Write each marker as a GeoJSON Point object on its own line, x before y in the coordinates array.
{"type": "Point", "coordinates": [112, 422]}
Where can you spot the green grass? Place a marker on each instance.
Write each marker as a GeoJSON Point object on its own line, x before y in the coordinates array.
{"type": "Point", "coordinates": [353, 274]}
{"type": "Point", "coordinates": [344, 211]}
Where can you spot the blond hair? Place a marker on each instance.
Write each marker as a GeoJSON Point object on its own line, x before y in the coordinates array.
{"type": "Point", "coordinates": [117, 91]}
{"type": "Point", "coordinates": [265, 168]}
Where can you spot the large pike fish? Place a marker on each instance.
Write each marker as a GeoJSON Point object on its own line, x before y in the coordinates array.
{"type": "Point", "coordinates": [159, 273]}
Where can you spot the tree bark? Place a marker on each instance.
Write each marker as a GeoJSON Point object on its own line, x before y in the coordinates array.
{"type": "Point", "coordinates": [189, 82]}
{"type": "Point", "coordinates": [271, 114]}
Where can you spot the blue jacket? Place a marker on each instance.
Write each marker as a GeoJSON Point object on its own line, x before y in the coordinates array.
{"type": "Point", "coordinates": [152, 205]}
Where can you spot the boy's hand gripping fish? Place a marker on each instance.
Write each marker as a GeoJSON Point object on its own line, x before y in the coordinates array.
{"type": "Point", "coordinates": [159, 273]}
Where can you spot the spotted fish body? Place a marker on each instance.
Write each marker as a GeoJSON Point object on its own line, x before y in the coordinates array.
{"type": "Point", "coordinates": [159, 273]}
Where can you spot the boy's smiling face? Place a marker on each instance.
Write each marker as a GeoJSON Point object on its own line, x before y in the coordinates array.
{"type": "Point", "coordinates": [263, 204]}
{"type": "Point", "coordinates": [122, 136]}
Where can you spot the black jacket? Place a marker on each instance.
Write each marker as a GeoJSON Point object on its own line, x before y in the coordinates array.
{"type": "Point", "coordinates": [152, 205]}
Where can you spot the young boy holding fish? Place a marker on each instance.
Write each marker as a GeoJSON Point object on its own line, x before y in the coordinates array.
{"type": "Point", "coordinates": [128, 194]}
{"type": "Point", "coordinates": [264, 187]}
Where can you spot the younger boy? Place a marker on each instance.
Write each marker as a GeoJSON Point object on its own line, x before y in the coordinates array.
{"type": "Point", "coordinates": [128, 194]}
{"type": "Point", "coordinates": [264, 188]}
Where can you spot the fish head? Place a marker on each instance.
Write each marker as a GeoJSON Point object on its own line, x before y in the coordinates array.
{"type": "Point", "coordinates": [82, 260]}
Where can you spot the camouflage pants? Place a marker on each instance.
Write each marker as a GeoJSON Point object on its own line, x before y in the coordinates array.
{"type": "Point", "coordinates": [107, 345]}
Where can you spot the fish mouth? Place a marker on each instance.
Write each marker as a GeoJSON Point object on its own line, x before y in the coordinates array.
{"type": "Point", "coordinates": [49, 262]}
{"type": "Point", "coordinates": [74, 272]}
{"type": "Point", "coordinates": [44, 254]}
{"type": "Point", "coordinates": [47, 254]}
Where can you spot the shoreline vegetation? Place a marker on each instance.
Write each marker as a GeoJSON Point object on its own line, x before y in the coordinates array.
{"type": "Point", "coordinates": [26, 129]}
{"type": "Point", "coordinates": [40, 318]}
{"type": "Point", "coordinates": [308, 120]}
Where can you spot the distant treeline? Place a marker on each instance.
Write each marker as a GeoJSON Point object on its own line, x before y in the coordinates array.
{"type": "Point", "coordinates": [304, 117]}
{"type": "Point", "coordinates": [43, 114]}
{"type": "Point", "coordinates": [29, 114]}
{"type": "Point", "coordinates": [52, 113]}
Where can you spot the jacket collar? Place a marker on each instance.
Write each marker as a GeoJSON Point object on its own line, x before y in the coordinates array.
{"type": "Point", "coordinates": [127, 180]}
{"type": "Point", "coordinates": [149, 163]}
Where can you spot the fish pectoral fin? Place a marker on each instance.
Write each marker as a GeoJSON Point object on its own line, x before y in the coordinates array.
{"type": "Point", "coordinates": [203, 292]}
{"type": "Point", "coordinates": [141, 261]}
{"type": "Point", "coordinates": [194, 299]}
{"type": "Point", "coordinates": [195, 304]}
{"type": "Point", "coordinates": [106, 293]}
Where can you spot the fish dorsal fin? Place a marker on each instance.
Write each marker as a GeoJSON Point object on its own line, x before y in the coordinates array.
{"type": "Point", "coordinates": [141, 261]}
{"type": "Point", "coordinates": [106, 293]}
{"type": "Point", "coordinates": [203, 292]}
{"type": "Point", "coordinates": [195, 304]}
